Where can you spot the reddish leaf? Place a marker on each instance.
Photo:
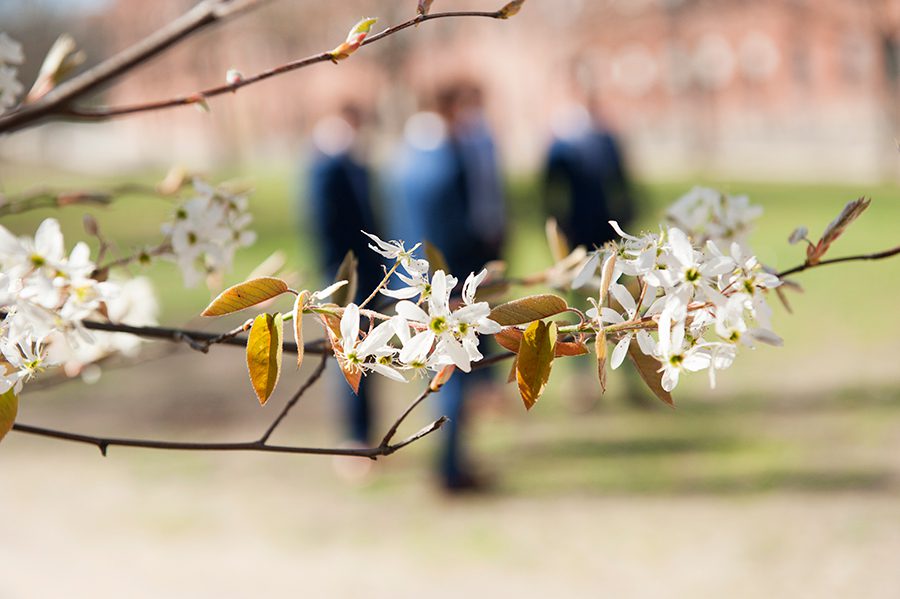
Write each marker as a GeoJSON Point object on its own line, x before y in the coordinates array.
{"type": "Point", "coordinates": [648, 368]}
{"type": "Point", "coordinates": [528, 309]}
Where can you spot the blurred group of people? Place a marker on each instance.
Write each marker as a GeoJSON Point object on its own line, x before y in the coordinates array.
{"type": "Point", "coordinates": [444, 185]}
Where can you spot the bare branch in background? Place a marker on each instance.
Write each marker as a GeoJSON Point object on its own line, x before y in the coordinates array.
{"type": "Point", "coordinates": [54, 102]}
{"type": "Point", "coordinates": [27, 115]}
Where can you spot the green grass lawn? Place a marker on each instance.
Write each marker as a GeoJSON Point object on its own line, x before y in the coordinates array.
{"type": "Point", "coordinates": [845, 321]}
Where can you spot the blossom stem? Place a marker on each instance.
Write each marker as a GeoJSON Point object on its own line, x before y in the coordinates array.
{"type": "Point", "coordinates": [381, 285]}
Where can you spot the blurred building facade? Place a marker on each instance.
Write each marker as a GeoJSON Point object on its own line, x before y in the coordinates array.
{"type": "Point", "coordinates": [767, 89]}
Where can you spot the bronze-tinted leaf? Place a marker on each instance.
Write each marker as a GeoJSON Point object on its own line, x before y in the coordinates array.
{"type": "Point", "coordinates": [556, 239]}
{"type": "Point", "coordinates": [264, 351]}
{"type": "Point", "coordinates": [648, 367]}
{"type": "Point", "coordinates": [423, 7]}
{"type": "Point", "coordinates": [9, 407]}
{"type": "Point", "coordinates": [435, 257]}
{"type": "Point", "coordinates": [511, 9]}
{"type": "Point", "coordinates": [441, 378]}
{"type": "Point", "coordinates": [302, 297]}
{"type": "Point", "coordinates": [246, 294]}
{"type": "Point", "coordinates": [528, 309]}
{"type": "Point", "coordinates": [347, 271]}
{"type": "Point", "coordinates": [836, 228]}
{"type": "Point", "coordinates": [601, 348]}
{"type": "Point", "coordinates": [570, 349]}
{"type": "Point", "coordinates": [535, 361]}
{"type": "Point", "coordinates": [332, 324]}
{"type": "Point", "coordinates": [513, 370]}
{"type": "Point", "coordinates": [509, 338]}
{"type": "Point", "coordinates": [606, 273]}
{"type": "Point", "coordinates": [352, 374]}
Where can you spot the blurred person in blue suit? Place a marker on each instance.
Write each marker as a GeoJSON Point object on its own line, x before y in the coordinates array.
{"type": "Point", "coordinates": [445, 188]}
{"type": "Point", "coordinates": [586, 183]}
{"type": "Point", "coordinates": [340, 202]}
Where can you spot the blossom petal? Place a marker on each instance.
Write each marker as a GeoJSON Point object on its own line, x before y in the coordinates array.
{"type": "Point", "coordinates": [350, 326]}
{"type": "Point", "coordinates": [624, 298]}
{"type": "Point", "coordinates": [618, 353]}
{"type": "Point", "coordinates": [375, 340]}
{"type": "Point", "coordinates": [417, 348]}
{"type": "Point", "coordinates": [410, 311]}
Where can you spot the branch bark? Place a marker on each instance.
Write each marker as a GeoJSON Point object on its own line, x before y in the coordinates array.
{"type": "Point", "coordinates": [108, 112]}
{"type": "Point", "coordinates": [385, 448]}
{"type": "Point", "coordinates": [806, 266]}
{"type": "Point", "coordinates": [199, 17]}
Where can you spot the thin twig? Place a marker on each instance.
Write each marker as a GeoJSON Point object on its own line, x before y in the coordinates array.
{"type": "Point", "coordinates": [54, 102]}
{"type": "Point", "coordinates": [384, 281]}
{"type": "Point", "coordinates": [107, 112]}
{"type": "Point", "coordinates": [293, 401]}
{"type": "Point", "coordinates": [385, 448]}
{"type": "Point", "coordinates": [197, 340]}
{"type": "Point", "coordinates": [104, 443]}
{"type": "Point", "coordinates": [386, 441]}
{"type": "Point", "coordinates": [49, 197]}
{"type": "Point", "coordinates": [876, 256]}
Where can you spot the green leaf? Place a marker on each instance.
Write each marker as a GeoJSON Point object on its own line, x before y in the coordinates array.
{"type": "Point", "coordinates": [535, 361]}
{"type": "Point", "coordinates": [648, 367]}
{"type": "Point", "coordinates": [246, 294]}
{"type": "Point", "coordinates": [348, 271]}
{"type": "Point", "coordinates": [528, 309]}
{"type": "Point", "coordinates": [435, 257]}
{"type": "Point", "coordinates": [264, 351]}
{"type": "Point", "coordinates": [9, 407]}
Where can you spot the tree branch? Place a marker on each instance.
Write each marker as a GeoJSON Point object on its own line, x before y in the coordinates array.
{"type": "Point", "coordinates": [104, 443]}
{"type": "Point", "coordinates": [199, 17]}
{"type": "Point", "coordinates": [806, 266]}
{"type": "Point", "coordinates": [197, 340]}
{"type": "Point", "coordinates": [201, 340]}
{"type": "Point", "coordinates": [386, 441]}
{"type": "Point", "coordinates": [385, 448]}
{"type": "Point", "coordinates": [107, 112]}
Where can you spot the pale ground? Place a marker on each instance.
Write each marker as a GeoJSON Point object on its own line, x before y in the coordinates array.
{"type": "Point", "coordinates": [250, 527]}
{"type": "Point", "coordinates": [790, 491]}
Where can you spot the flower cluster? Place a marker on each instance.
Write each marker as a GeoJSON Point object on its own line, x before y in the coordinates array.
{"type": "Point", "coordinates": [707, 214]}
{"type": "Point", "coordinates": [433, 333]}
{"type": "Point", "coordinates": [206, 230]}
{"type": "Point", "coordinates": [703, 302]}
{"type": "Point", "coordinates": [45, 294]}
{"type": "Point", "coordinates": [10, 87]}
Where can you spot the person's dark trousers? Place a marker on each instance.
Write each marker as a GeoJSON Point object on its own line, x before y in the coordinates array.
{"type": "Point", "coordinates": [451, 462]}
{"type": "Point", "coordinates": [357, 411]}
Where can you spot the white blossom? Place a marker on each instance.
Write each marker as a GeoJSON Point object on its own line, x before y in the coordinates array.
{"type": "Point", "coordinates": [395, 250]}
{"type": "Point", "coordinates": [207, 230]}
